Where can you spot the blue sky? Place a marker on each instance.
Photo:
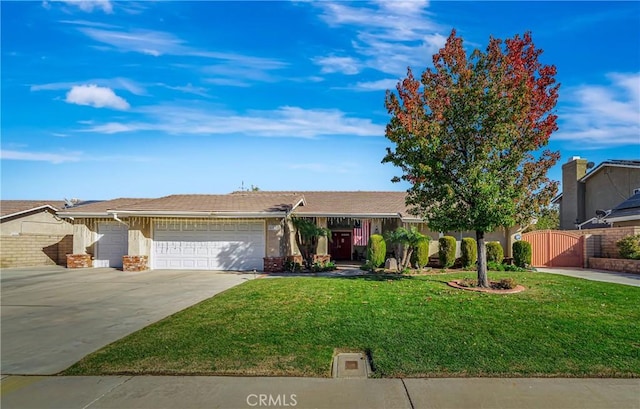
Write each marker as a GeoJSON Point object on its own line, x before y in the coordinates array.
{"type": "Point", "coordinates": [143, 99]}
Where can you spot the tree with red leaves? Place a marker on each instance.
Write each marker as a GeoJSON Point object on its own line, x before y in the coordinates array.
{"type": "Point", "coordinates": [469, 137]}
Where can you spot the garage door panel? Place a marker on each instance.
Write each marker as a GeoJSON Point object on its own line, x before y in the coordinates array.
{"type": "Point", "coordinates": [213, 246]}
{"type": "Point", "coordinates": [112, 244]}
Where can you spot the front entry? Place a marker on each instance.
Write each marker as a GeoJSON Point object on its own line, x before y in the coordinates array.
{"type": "Point", "coordinates": [340, 248]}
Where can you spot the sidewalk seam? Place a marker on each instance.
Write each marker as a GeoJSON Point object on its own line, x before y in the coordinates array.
{"type": "Point", "coordinates": [109, 391]}
{"type": "Point", "coordinates": [407, 392]}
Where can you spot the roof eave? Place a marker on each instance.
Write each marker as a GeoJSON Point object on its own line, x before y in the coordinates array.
{"type": "Point", "coordinates": [7, 216]}
{"type": "Point", "coordinates": [622, 218]}
{"type": "Point", "coordinates": [602, 165]}
{"type": "Point", "coordinates": [195, 214]}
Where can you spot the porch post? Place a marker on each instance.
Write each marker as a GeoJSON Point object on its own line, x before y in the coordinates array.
{"type": "Point", "coordinates": [323, 242]}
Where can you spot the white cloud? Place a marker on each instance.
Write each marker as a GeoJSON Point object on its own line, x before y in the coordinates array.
{"type": "Point", "coordinates": [291, 122]}
{"type": "Point", "coordinates": [114, 83]}
{"type": "Point", "coordinates": [87, 6]}
{"type": "Point", "coordinates": [188, 89]}
{"type": "Point", "coordinates": [602, 115]}
{"type": "Point", "coordinates": [389, 35]}
{"type": "Point", "coordinates": [379, 85]}
{"type": "Point", "coordinates": [227, 67]}
{"type": "Point", "coordinates": [95, 96]}
{"type": "Point", "coordinates": [344, 65]}
{"type": "Point", "coordinates": [55, 158]}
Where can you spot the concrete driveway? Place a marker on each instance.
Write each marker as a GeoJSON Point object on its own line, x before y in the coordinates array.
{"type": "Point", "coordinates": [51, 317]}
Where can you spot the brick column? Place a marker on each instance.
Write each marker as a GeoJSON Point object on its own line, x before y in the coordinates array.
{"type": "Point", "coordinates": [79, 261]}
{"type": "Point", "coordinates": [135, 263]}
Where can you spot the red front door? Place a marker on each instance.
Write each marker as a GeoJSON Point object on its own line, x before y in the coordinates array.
{"type": "Point", "coordinates": [341, 245]}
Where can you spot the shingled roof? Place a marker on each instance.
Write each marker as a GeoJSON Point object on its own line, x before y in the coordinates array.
{"type": "Point", "coordinates": [9, 208]}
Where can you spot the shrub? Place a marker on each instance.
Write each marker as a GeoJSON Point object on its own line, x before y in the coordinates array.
{"type": "Point", "coordinates": [493, 266]}
{"type": "Point", "coordinates": [320, 266]}
{"type": "Point", "coordinates": [629, 247]}
{"type": "Point", "coordinates": [495, 252]}
{"type": "Point", "coordinates": [469, 251]}
{"type": "Point", "coordinates": [504, 284]}
{"type": "Point", "coordinates": [292, 266]}
{"type": "Point", "coordinates": [522, 253]}
{"type": "Point", "coordinates": [447, 251]}
{"type": "Point", "coordinates": [421, 252]}
{"type": "Point", "coordinates": [376, 250]}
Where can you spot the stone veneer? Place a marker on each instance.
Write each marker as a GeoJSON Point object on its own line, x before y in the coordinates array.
{"type": "Point", "coordinates": [273, 264]}
{"type": "Point", "coordinates": [135, 263]}
{"type": "Point", "coordinates": [615, 264]}
{"type": "Point", "coordinates": [79, 261]}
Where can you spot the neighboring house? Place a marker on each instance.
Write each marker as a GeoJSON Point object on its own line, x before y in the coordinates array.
{"type": "Point", "coordinates": [32, 235]}
{"type": "Point", "coordinates": [237, 231]}
{"type": "Point", "coordinates": [588, 195]}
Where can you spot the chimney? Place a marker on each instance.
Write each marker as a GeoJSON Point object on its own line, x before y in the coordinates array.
{"type": "Point", "coordinates": [572, 204]}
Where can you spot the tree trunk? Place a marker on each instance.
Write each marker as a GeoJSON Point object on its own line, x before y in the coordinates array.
{"type": "Point", "coordinates": [483, 280]}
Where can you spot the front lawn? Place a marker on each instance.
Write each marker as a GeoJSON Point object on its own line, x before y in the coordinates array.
{"type": "Point", "coordinates": [411, 326]}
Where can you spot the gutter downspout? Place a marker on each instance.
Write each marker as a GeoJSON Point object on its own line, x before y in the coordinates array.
{"type": "Point", "coordinates": [115, 217]}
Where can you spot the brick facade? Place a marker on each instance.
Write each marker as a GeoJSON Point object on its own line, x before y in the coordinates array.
{"type": "Point", "coordinates": [79, 261]}
{"type": "Point", "coordinates": [27, 250]}
{"type": "Point", "coordinates": [615, 264]}
{"type": "Point", "coordinates": [321, 258]}
{"type": "Point", "coordinates": [273, 264]}
{"type": "Point", "coordinates": [135, 263]}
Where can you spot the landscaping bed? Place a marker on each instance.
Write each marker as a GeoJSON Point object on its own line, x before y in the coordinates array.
{"type": "Point", "coordinates": [411, 326]}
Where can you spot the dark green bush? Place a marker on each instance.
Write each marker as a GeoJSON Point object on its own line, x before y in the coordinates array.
{"type": "Point", "coordinates": [493, 266]}
{"type": "Point", "coordinates": [292, 266]}
{"type": "Point", "coordinates": [522, 253]}
{"type": "Point", "coordinates": [376, 250]}
{"type": "Point", "coordinates": [629, 247]}
{"type": "Point", "coordinates": [447, 251]}
{"type": "Point", "coordinates": [420, 257]}
{"type": "Point", "coordinates": [495, 252]}
{"type": "Point", "coordinates": [469, 250]}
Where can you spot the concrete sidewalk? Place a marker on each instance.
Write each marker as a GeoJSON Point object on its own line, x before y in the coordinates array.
{"type": "Point", "coordinates": [595, 275]}
{"type": "Point", "coordinates": [235, 392]}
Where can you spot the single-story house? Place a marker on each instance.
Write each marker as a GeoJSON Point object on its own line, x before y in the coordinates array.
{"type": "Point", "coordinates": [31, 234]}
{"type": "Point", "coordinates": [236, 231]}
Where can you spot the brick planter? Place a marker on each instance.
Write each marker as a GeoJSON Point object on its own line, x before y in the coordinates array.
{"type": "Point", "coordinates": [321, 258]}
{"type": "Point", "coordinates": [135, 263]}
{"type": "Point", "coordinates": [615, 264]}
{"type": "Point", "coordinates": [79, 260]}
{"type": "Point", "coordinates": [273, 264]}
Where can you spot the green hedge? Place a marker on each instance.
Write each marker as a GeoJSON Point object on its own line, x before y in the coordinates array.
{"type": "Point", "coordinates": [629, 247]}
{"type": "Point", "coordinates": [522, 253]}
{"type": "Point", "coordinates": [376, 250]}
{"type": "Point", "coordinates": [447, 251]}
{"type": "Point", "coordinates": [469, 250]}
{"type": "Point", "coordinates": [495, 252]}
{"type": "Point", "coordinates": [420, 256]}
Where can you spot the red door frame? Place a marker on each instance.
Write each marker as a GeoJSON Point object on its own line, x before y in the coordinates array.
{"type": "Point", "coordinates": [341, 245]}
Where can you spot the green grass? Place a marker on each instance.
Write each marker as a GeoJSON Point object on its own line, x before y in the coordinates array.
{"type": "Point", "coordinates": [412, 327]}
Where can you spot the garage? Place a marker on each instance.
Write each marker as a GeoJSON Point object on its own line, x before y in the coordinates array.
{"type": "Point", "coordinates": [208, 245]}
{"type": "Point", "coordinates": [112, 244]}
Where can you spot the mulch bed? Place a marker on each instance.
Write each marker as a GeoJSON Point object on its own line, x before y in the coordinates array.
{"type": "Point", "coordinates": [455, 284]}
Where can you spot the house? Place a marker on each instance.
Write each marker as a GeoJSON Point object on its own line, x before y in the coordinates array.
{"type": "Point", "coordinates": [31, 234]}
{"type": "Point", "coordinates": [236, 231]}
{"type": "Point", "coordinates": [626, 213]}
{"type": "Point", "coordinates": [590, 192]}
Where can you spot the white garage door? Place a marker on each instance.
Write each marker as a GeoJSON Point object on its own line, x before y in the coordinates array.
{"type": "Point", "coordinates": [113, 243]}
{"type": "Point", "coordinates": [210, 245]}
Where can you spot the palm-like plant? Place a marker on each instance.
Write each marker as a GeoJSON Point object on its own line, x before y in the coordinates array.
{"type": "Point", "coordinates": [405, 241]}
{"type": "Point", "coordinates": [307, 234]}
